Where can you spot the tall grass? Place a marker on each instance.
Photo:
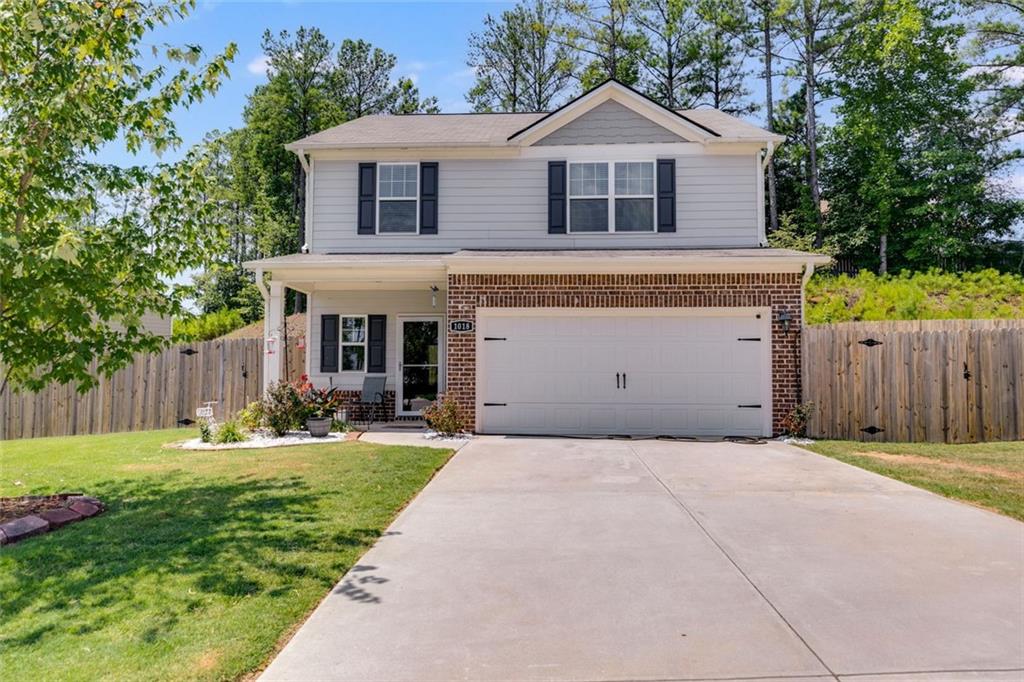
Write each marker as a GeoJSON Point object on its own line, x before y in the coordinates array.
{"type": "Point", "coordinates": [931, 295]}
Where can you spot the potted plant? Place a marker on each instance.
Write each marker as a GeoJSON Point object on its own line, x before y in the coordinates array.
{"type": "Point", "coordinates": [320, 404]}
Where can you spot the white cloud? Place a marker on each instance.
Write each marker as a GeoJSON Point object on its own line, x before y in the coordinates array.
{"type": "Point", "coordinates": [462, 76]}
{"type": "Point", "coordinates": [259, 66]}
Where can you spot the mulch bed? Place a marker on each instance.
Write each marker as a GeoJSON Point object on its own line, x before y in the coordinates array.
{"type": "Point", "coordinates": [16, 507]}
{"type": "Point", "coordinates": [28, 515]}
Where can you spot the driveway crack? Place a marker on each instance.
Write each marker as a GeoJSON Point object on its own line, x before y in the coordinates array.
{"type": "Point", "coordinates": [689, 512]}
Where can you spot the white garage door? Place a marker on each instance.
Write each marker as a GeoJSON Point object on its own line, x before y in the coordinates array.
{"type": "Point", "coordinates": [693, 372]}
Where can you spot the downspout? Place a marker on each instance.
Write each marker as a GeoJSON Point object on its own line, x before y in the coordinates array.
{"type": "Point", "coordinates": [303, 161]}
{"type": "Point", "coordinates": [808, 271]}
{"type": "Point", "coordinates": [768, 155]}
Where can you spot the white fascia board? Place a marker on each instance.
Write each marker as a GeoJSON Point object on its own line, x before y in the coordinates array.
{"type": "Point", "coordinates": [623, 264]}
{"type": "Point", "coordinates": [407, 153]}
{"type": "Point", "coordinates": [615, 92]}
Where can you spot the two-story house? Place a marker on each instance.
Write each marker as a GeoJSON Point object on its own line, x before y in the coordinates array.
{"type": "Point", "coordinates": [599, 269]}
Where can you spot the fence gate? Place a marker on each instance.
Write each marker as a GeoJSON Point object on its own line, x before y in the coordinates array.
{"type": "Point", "coordinates": [954, 381]}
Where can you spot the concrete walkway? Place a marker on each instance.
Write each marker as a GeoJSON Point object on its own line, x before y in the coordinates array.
{"type": "Point", "coordinates": [558, 559]}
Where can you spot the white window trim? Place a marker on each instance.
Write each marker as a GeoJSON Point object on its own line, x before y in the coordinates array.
{"type": "Point", "coordinates": [611, 196]}
{"type": "Point", "coordinates": [379, 199]}
{"type": "Point", "coordinates": [342, 343]}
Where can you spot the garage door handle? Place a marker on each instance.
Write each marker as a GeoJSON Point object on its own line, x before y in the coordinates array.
{"type": "Point", "coordinates": [616, 380]}
{"type": "Point", "coordinates": [754, 406]}
{"type": "Point", "coordinates": [623, 379]}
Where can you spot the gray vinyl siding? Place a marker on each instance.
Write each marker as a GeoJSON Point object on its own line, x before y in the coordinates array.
{"type": "Point", "coordinates": [610, 122]}
{"type": "Point", "coordinates": [502, 204]}
{"type": "Point", "coordinates": [390, 303]}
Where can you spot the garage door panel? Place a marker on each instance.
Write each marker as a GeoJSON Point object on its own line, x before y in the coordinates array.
{"type": "Point", "coordinates": [687, 374]}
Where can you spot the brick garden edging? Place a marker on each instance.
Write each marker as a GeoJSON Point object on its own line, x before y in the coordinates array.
{"type": "Point", "coordinates": [50, 513]}
{"type": "Point", "coordinates": [778, 291]}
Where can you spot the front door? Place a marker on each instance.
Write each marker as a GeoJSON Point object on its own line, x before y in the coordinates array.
{"type": "Point", "coordinates": [420, 351]}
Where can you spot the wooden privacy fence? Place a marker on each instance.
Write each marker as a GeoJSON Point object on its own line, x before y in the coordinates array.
{"type": "Point", "coordinates": [954, 381]}
{"type": "Point", "coordinates": [157, 391]}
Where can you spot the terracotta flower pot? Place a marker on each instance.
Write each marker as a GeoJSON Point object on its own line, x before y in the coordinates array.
{"type": "Point", "coordinates": [319, 427]}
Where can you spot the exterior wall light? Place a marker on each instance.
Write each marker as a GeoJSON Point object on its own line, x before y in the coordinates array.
{"type": "Point", "coordinates": [785, 318]}
{"type": "Point", "coordinates": [433, 295]}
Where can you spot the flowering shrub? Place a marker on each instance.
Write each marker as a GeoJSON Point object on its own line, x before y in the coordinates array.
{"type": "Point", "coordinates": [443, 415]}
{"type": "Point", "coordinates": [283, 409]}
{"type": "Point", "coordinates": [795, 423]}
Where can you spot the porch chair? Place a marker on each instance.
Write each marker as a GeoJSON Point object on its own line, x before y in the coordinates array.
{"type": "Point", "coordinates": [372, 397]}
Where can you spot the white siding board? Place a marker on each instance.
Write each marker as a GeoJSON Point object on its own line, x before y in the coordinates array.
{"type": "Point", "coordinates": [390, 303]}
{"type": "Point", "coordinates": [502, 203]}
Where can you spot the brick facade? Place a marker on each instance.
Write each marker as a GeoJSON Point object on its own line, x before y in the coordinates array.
{"type": "Point", "coordinates": [779, 291]}
{"type": "Point", "coordinates": [359, 412]}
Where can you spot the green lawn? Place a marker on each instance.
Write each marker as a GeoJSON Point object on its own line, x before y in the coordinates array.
{"type": "Point", "coordinates": [989, 475]}
{"type": "Point", "coordinates": [203, 561]}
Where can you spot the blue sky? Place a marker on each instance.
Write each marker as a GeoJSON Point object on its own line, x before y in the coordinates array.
{"type": "Point", "coordinates": [429, 39]}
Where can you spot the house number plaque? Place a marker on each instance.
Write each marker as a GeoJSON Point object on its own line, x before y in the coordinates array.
{"type": "Point", "coordinates": [461, 326]}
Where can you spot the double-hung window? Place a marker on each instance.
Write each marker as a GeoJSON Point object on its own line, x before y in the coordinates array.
{"type": "Point", "coordinates": [353, 343]}
{"type": "Point", "coordinates": [611, 197]}
{"type": "Point", "coordinates": [398, 198]}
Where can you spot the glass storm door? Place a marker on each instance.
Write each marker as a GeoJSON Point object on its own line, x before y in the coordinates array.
{"type": "Point", "coordinates": [419, 363]}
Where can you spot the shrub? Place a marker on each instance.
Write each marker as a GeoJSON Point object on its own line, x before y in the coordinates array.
{"type": "Point", "coordinates": [795, 423]}
{"type": "Point", "coordinates": [443, 415]}
{"type": "Point", "coordinates": [205, 432]}
{"type": "Point", "coordinates": [229, 432]}
{"type": "Point", "coordinates": [208, 326]}
{"type": "Point", "coordinates": [251, 416]}
{"type": "Point", "coordinates": [282, 408]}
{"type": "Point", "coordinates": [931, 295]}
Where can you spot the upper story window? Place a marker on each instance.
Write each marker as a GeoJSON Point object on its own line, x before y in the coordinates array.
{"type": "Point", "coordinates": [397, 198]}
{"type": "Point", "coordinates": [611, 197]}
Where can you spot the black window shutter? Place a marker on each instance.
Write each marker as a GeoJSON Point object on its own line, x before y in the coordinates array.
{"type": "Point", "coordinates": [375, 361]}
{"type": "Point", "coordinates": [428, 197]}
{"type": "Point", "coordinates": [666, 195]}
{"type": "Point", "coordinates": [328, 343]}
{"type": "Point", "coordinates": [556, 197]}
{"type": "Point", "coordinates": [367, 198]}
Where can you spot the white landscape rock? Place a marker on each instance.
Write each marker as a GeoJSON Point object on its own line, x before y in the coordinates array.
{"type": "Point", "coordinates": [459, 437]}
{"type": "Point", "coordinates": [263, 439]}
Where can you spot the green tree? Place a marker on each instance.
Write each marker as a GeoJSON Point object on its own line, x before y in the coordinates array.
{"type": "Point", "coordinates": [86, 249]}
{"type": "Point", "coordinates": [908, 173]}
{"type": "Point", "coordinates": [518, 63]}
{"type": "Point", "coordinates": [606, 39]}
{"type": "Point", "coordinates": [796, 210]}
{"type": "Point", "coordinates": [815, 30]}
{"type": "Point", "coordinates": [362, 84]}
{"type": "Point", "coordinates": [719, 79]}
{"type": "Point", "coordinates": [764, 39]}
{"type": "Point", "coordinates": [997, 50]}
{"type": "Point", "coordinates": [672, 48]}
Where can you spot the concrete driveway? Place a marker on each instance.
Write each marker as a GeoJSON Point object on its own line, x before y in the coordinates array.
{"type": "Point", "coordinates": [558, 559]}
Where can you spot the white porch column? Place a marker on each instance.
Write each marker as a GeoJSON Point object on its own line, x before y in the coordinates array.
{"type": "Point", "coordinates": [273, 326]}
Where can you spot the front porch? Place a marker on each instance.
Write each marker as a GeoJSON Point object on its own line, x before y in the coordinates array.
{"type": "Point", "coordinates": [376, 316]}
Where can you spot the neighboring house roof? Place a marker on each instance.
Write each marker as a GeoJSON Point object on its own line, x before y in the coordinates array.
{"type": "Point", "coordinates": [506, 130]}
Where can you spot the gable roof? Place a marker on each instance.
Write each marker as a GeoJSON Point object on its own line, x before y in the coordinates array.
{"type": "Point", "coordinates": [613, 90]}
{"type": "Point", "coordinates": [524, 129]}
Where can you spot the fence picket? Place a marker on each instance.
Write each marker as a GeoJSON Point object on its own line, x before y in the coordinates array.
{"type": "Point", "coordinates": [957, 381]}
